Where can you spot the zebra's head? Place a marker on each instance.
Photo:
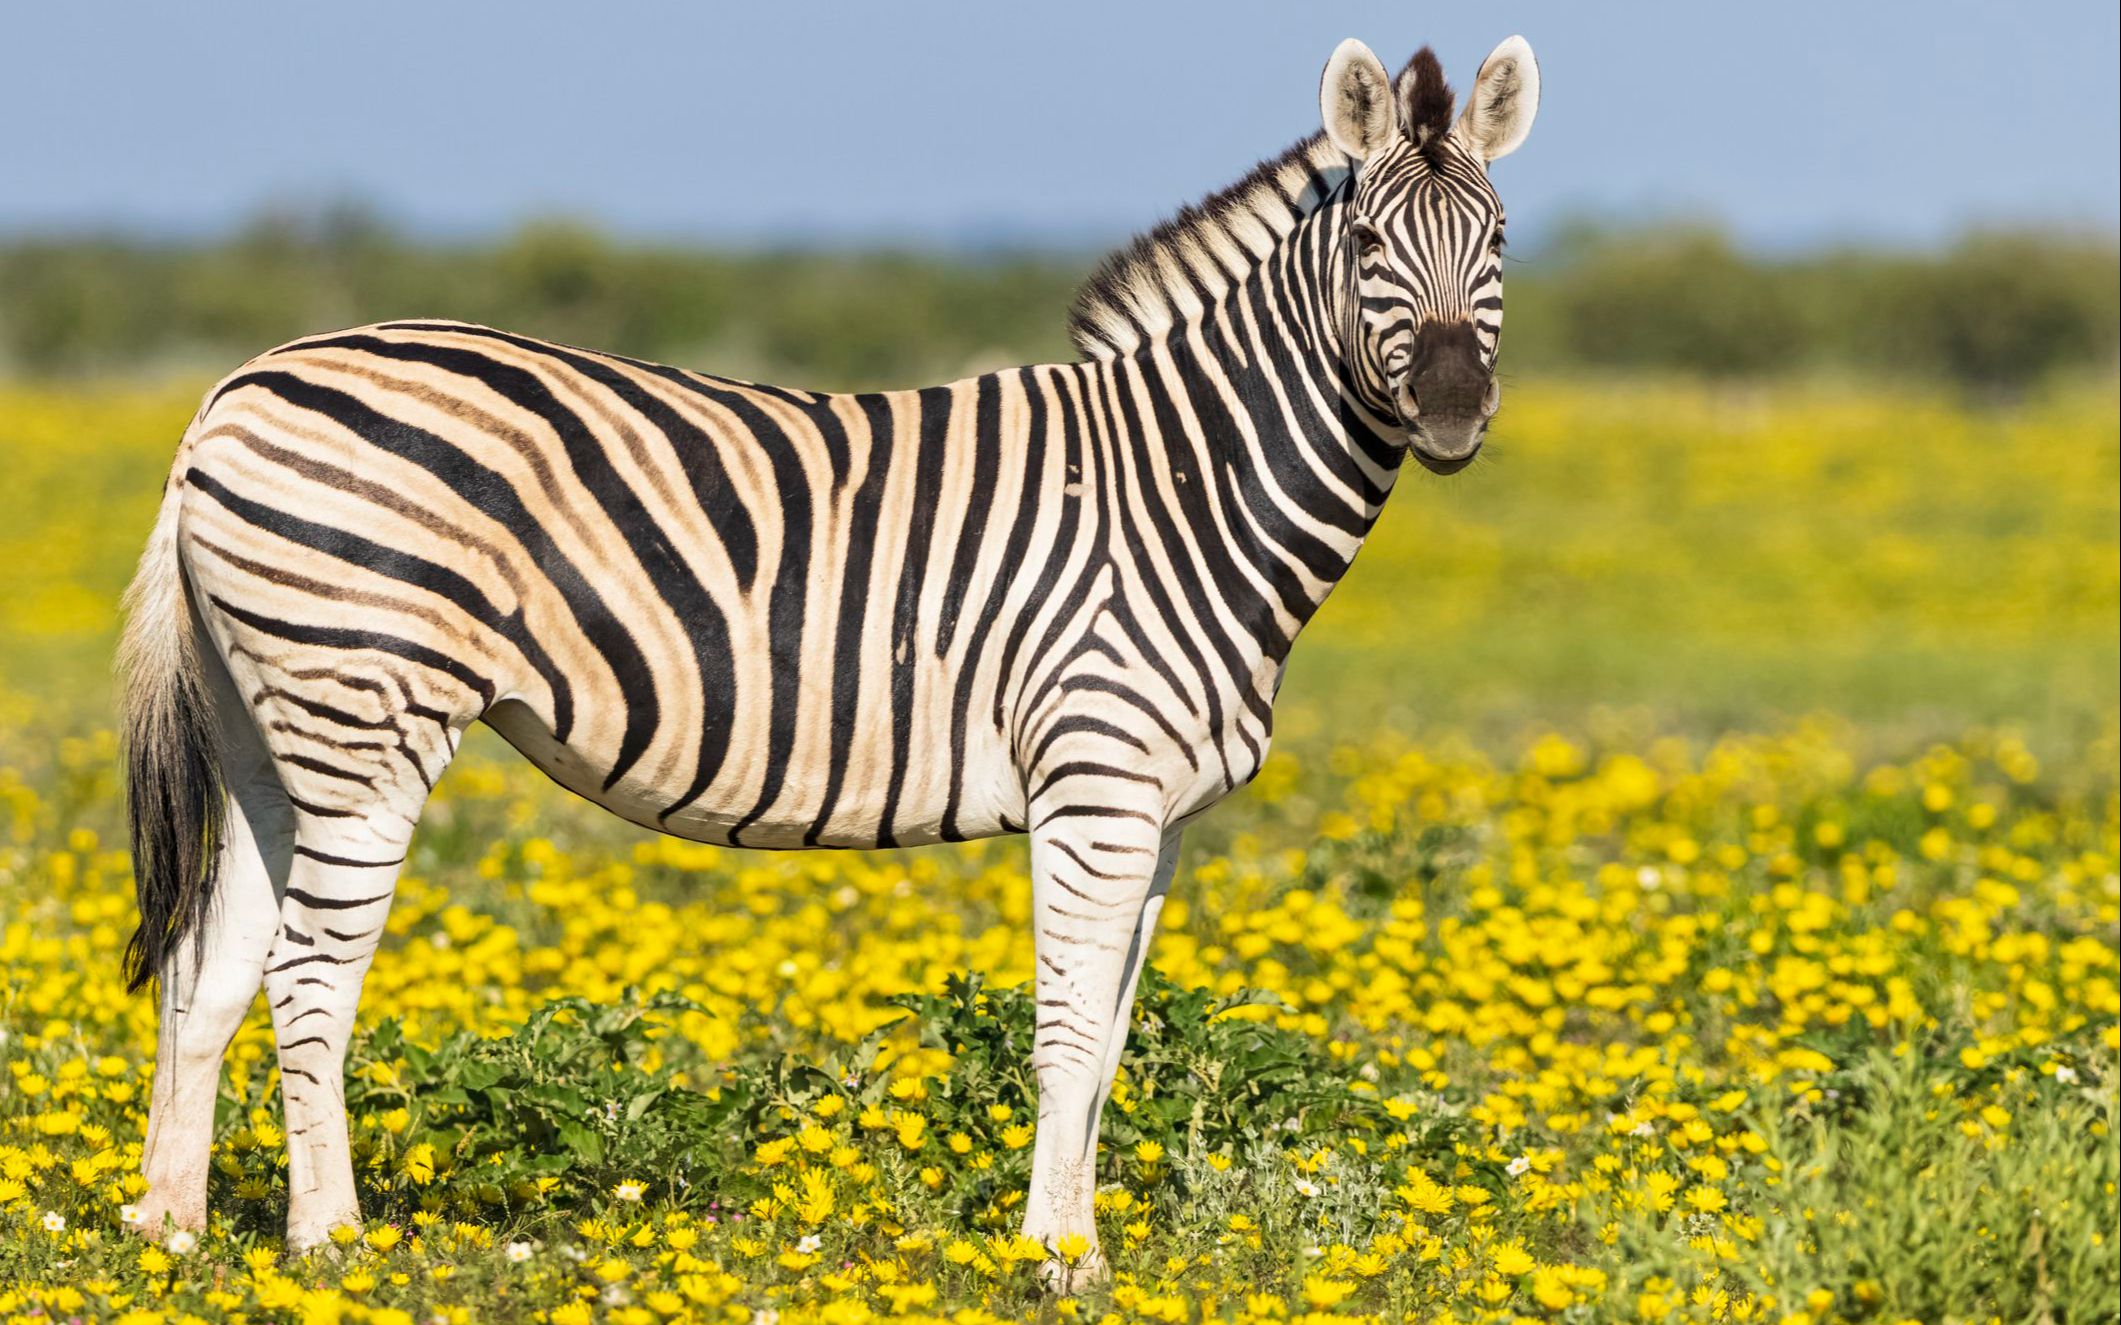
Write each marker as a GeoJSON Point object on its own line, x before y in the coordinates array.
{"type": "Point", "coordinates": [1421, 310]}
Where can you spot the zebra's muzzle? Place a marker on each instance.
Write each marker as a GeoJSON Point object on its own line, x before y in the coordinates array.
{"type": "Point", "coordinates": [1446, 396]}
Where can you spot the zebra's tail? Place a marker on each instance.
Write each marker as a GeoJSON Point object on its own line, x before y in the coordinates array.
{"type": "Point", "coordinates": [172, 751]}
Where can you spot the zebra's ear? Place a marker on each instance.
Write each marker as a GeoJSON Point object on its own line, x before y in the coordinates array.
{"type": "Point", "coordinates": [1355, 99]}
{"type": "Point", "coordinates": [1505, 97]}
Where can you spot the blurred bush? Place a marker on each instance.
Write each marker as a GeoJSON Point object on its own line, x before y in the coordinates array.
{"type": "Point", "coordinates": [91, 305]}
{"type": "Point", "coordinates": [1998, 311]}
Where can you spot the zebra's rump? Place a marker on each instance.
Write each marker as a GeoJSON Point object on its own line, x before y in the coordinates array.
{"type": "Point", "coordinates": [733, 612]}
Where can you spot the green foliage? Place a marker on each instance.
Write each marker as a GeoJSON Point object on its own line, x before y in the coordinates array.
{"type": "Point", "coordinates": [1936, 1223]}
{"type": "Point", "coordinates": [1202, 1076]}
{"type": "Point", "coordinates": [578, 1093]}
{"type": "Point", "coordinates": [70, 306]}
{"type": "Point", "coordinates": [1998, 311]}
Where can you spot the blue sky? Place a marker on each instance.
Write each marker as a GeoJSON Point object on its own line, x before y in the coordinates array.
{"type": "Point", "coordinates": [1797, 122]}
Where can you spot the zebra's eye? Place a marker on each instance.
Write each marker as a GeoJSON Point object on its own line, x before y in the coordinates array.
{"type": "Point", "coordinates": [1368, 241]}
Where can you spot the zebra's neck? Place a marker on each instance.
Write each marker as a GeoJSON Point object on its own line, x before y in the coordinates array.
{"type": "Point", "coordinates": [1261, 457]}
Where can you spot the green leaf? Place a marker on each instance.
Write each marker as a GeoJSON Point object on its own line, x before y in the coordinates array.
{"type": "Point", "coordinates": [586, 1145]}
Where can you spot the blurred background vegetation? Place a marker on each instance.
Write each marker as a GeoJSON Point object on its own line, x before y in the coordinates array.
{"type": "Point", "coordinates": [1998, 312]}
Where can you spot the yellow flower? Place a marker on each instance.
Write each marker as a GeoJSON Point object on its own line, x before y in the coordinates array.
{"type": "Point", "coordinates": [1016, 1248]}
{"type": "Point", "coordinates": [418, 1163]}
{"type": "Point", "coordinates": [1510, 1259]}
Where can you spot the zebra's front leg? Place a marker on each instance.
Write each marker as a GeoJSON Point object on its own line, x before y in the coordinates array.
{"type": "Point", "coordinates": [1098, 884]}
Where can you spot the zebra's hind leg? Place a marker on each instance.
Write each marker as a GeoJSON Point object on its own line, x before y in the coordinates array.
{"type": "Point", "coordinates": [208, 986]}
{"type": "Point", "coordinates": [338, 895]}
{"type": "Point", "coordinates": [1099, 876]}
{"type": "Point", "coordinates": [358, 745]}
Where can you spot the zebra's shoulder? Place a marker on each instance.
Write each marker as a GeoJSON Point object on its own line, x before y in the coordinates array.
{"type": "Point", "coordinates": [1169, 275]}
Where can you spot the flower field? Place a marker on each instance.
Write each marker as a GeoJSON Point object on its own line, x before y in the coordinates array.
{"type": "Point", "coordinates": [1686, 888]}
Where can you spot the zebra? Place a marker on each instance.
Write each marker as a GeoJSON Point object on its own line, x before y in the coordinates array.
{"type": "Point", "coordinates": [1055, 600]}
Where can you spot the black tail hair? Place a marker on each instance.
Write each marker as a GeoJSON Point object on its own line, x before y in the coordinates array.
{"type": "Point", "coordinates": [172, 745]}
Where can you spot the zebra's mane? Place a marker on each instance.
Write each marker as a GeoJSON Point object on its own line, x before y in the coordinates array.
{"type": "Point", "coordinates": [1170, 275]}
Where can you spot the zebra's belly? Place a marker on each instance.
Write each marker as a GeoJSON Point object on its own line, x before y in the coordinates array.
{"type": "Point", "coordinates": [872, 793]}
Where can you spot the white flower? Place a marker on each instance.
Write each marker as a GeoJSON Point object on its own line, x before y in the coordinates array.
{"type": "Point", "coordinates": [1306, 1187]}
{"type": "Point", "coordinates": [627, 1191]}
{"type": "Point", "coordinates": [131, 1216]}
{"type": "Point", "coordinates": [766, 1316]}
{"type": "Point", "coordinates": [1648, 877]}
{"type": "Point", "coordinates": [54, 1222]}
{"type": "Point", "coordinates": [2066, 1075]}
{"type": "Point", "coordinates": [1520, 1166]}
{"type": "Point", "coordinates": [182, 1242]}
{"type": "Point", "coordinates": [810, 1244]}
{"type": "Point", "coordinates": [519, 1252]}
{"type": "Point", "coordinates": [1642, 1129]}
